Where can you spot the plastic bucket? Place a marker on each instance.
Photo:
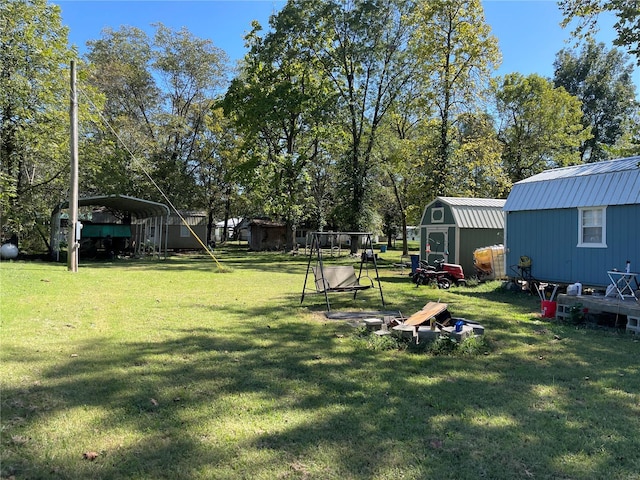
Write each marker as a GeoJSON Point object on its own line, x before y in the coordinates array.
{"type": "Point", "coordinates": [383, 248]}
{"type": "Point", "coordinates": [548, 309]}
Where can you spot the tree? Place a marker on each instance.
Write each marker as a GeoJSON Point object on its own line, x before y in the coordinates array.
{"type": "Point", "coordinates": [219, 153]}
{"type": "Point", "coordinates": [158, 94]}
{"type": "Point", "coordinates": [194, 72]}
{"type": "Point", "coordinates": [280, 104]}
{"type": "Point", "coordinates": [628, 144]}
{"type": "Point", "coordinates": [539, 125]}
{"type": "Point", "coordinates": [478, 169]}
{"type": "Point", "coordinates": [402, 163]}
{"type": "Point", "coordinates": [586, 13]}
{"type": "Point", "coordinates": [34, 118]}
{"type": "Point", "coordinates": [360, 46]}
{"type": "Point", "coordinates": [121, 71]}
{"type": "Point", "coordinates": [602, 81]}
{"type": "Point", "coordinates": [453, 45]}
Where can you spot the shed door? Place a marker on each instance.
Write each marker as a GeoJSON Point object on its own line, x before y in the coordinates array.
{"type": "Point", "coordinates": [437, 241]}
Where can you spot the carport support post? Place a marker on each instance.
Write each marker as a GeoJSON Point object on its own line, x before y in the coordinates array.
{"type": "Point", "coordinates": [72, 248]}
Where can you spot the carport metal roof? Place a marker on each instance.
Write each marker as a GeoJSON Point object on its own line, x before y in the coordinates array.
{"type": "Point", "coordinates": [123, 203]}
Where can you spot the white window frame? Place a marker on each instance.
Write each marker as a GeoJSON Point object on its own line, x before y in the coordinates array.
{"type": "Point", "coordinates": [581, 242]}
{"type": "Point", "coordinates": [439, 210]}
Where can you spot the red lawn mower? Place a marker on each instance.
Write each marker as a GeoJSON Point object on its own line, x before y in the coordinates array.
{"type": "Point", "coordinates": [441, 273]}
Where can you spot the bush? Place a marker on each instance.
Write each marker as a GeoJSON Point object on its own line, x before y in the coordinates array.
{"type": "Point", "coordinates": [444, 345]}
{"type": "Point", "coordinates": [476, 345]}
{"type": "Point", "coordinates": [370, 341]}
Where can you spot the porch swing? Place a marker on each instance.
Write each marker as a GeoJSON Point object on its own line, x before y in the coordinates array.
{"type": "Point", "coordinates": [340, 278]}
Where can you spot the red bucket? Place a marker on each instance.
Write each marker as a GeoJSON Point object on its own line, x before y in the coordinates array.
{"type": "Point", "coordinates": [548, 309]}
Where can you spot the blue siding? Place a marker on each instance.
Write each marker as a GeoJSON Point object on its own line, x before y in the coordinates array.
{"type": "Point", "coordinates": [549, 238]}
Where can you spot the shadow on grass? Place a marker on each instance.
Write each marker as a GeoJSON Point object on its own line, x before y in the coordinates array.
{"type": "Point", "coordinates": [269, 395]}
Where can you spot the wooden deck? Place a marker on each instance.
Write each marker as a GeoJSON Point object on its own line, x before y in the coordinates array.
{"type": "Point", "coordinates": [597, 304]}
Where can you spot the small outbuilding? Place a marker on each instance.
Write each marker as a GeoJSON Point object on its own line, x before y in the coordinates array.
{"type": "Point", "coordinates": [266, 235]}
{"type": "Point", "coordinates": [576, 223]}
{"type": "Point", "coordinates": [181, 229]}
{"type": "Point", "coordinates": [453, 227]}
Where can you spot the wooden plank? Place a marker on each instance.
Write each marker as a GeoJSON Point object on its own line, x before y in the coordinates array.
{"type": "Point", "coordinates": [430, 310]}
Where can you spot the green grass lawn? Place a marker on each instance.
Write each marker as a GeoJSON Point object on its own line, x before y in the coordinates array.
{"type": "Point", "coordinates": [174, 369]}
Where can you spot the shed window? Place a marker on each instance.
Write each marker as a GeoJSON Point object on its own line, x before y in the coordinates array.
{"type": "Point", "coordinates": [592, 228]}
{"type": "Point", "coordinates": [437, 215]}
{"type": "Point", "coordinates": [184, 231]}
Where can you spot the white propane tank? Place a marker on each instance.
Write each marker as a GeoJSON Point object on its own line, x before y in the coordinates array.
{"type": "Point", "coordinates": [9, 251]}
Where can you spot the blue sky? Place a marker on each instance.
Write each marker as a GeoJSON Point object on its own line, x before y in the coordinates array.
{"type": "Point", "coordinates": [528, 31]}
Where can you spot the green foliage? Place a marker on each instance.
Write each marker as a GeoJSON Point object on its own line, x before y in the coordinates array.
{"type": "Point", "coordinates": [34, 106]}
{"type": "Point", "coordinates": [576, 314]}
{"type": "Point", "coordinates": [378, 343]}
{"type": "Point", "coordinates": [456, 53]}
{"type": "Point", "coordinates": [473, 346]}
{"type": "Point", "coordinates": [540, 125]}
{"type": "Point", "coordinates": [586, 13]}
{"type": "Point", "coordinates": [444, 345]}
{"type": "Point", "coordinates": [159, 92]}
{"type": "Point", "coordinates": [602, 81]}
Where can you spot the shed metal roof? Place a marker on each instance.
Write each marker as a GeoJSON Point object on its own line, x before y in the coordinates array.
{"type": "Point", "coordinates": [138, 207]}
{"type": "Point", "coordinates": [612, 182]}
{"type": "Point", "coordinates": [475, 212]}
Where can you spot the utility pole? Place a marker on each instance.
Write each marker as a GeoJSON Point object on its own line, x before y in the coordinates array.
{"type": "Point", "coordinates": [73, 245]}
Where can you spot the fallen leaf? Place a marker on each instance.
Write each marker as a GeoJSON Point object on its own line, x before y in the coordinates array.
{"type": "Point", "coordinates": [19, 439]}
{"type": "Point", "coordinates": [90, 455]}
{"type": "Point", "coordinates": [74, 355]}
{"type": "Point", "coordinates": [154, 402]}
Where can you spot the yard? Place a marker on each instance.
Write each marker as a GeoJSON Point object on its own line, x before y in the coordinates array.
{"type": "Point", "coordinates": [175, 369]}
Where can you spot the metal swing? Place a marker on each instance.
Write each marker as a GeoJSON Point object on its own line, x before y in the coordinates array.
{"type": "Point", "coordinates": [340, 278]}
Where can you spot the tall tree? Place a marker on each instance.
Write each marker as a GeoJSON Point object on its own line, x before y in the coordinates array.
{"type": "Point", "coordinates": [193, 72]}
{"type": "Point", "coordinates": [539, 125]}
{"type": "Point", "coordinates": [360, 46]}
{"type": "Point", "coordinates": [602, 81]}
{"type": "Point", "coordinates": [219, 155]}
{"type": "Point", "coordinates": [628, 144]}
{"type": "Point", "coordinates": [280, 103]}
{"type": "Point", "coordinates": [586, 13]}
{"type": "Point", "coordinates": [121, 70]}
{"type": "Point", "coordinates": [34, 118]}
{"type": "Point", "coordinates": [478, 169]}
{"type": "Point", "coordinates": [159, 92]}
{"type": "Point", "coordinates": [457, 53]}
{"type": "Point", "coordinates": [400, 146]}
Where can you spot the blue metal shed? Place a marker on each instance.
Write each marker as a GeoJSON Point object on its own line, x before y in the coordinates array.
{"type": "Point", "coordinates": [576, 223]}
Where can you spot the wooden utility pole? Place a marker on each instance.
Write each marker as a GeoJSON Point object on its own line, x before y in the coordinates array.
{"type": "Point", "coordinates": [73, 245]}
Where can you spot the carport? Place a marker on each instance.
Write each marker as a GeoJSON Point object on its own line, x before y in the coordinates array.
{"type": "Point", "coordinates": [146, 223]}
